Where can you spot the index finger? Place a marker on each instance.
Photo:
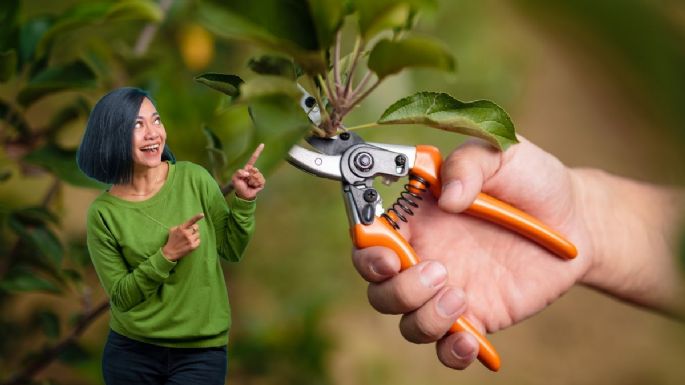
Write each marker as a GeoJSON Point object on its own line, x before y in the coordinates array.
{"type": "Point", "coordinates": [255, 155]}
{"type": "Point", "coordinates": [193, 220]}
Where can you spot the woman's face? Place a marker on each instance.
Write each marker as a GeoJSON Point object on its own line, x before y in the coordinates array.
{"type": "Point", "coordinates": [149, 137]}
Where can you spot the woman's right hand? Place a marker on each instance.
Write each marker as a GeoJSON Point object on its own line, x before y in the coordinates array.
{"type": "Point", "coordinates": [183, 239]}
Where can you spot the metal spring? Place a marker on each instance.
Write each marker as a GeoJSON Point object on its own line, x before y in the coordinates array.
{"type": "Point", "coordinates": [407, 200]}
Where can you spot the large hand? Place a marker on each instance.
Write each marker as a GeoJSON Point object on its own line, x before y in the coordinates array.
{"type": "Point", "coordinates": [248, 181]}
{"type": "Point", "coordinates": [473, 268]}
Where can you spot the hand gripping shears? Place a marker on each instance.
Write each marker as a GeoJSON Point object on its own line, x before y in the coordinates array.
{"type": "Point", "coordinates": [356, 163]}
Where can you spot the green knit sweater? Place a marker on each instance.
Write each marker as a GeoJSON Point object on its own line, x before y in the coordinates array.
{"type": "Point", "coordinates": [154, 300]}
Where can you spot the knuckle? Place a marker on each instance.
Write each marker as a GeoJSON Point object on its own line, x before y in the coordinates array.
{"type": "Point", "coordinates": [411, 330]}
{"type": "Point", "coordinates": [403, 297]}
{"type": "Point", "coordinates": [427, 326]}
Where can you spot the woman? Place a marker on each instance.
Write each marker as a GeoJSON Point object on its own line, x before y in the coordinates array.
{"type": "Point", "coordinates": [155, 238]}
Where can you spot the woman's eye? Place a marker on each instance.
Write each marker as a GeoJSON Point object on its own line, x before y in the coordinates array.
{"type": "Point", "coordinates": [158, 121]}
{"type": "Point", "coordinates": [139, 125]}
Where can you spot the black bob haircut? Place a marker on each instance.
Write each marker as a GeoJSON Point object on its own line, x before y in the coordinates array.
{"type": "Point", "coordinates": [105, 153]}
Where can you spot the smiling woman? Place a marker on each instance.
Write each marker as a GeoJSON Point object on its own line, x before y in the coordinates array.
{"type": "Point", "coordinates": [156, 257]}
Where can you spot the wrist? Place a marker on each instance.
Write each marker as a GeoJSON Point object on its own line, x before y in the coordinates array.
{"type": "Point", "coordinates": [246, 198]}
{"type": "Point", "coordinates": [168, 255]}
{"type": "Point", "coordinates": [632, 232]}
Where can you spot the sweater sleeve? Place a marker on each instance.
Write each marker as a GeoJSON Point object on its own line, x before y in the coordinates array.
{"type": "Point", "coordinates": [125, 286]}
{"type": "Point", "coordinates": [233, 225]}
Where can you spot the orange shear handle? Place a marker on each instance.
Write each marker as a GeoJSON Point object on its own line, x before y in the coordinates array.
{"type": "Point", "coordinates": [427, 166]}
{"type": "Point", "coordinates": [381, 233]}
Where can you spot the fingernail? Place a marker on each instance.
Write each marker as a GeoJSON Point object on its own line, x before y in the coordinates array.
{"type": "Point", "coordinates": [381, 268]}
{"type": "Point", "coordinates": [461, 348]}
{"type": "Point", "coordinates": [433, 274]}
{"type": "Point", "coordinates": [450, 302]}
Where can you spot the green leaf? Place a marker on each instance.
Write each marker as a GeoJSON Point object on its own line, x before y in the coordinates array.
{"type": "Point", "coordinates": [376, 16]}
{"type": "Point", "coordinates": [30, 35]}
{"type": "Point", "coordinates": [91, 13]}
{"type": "Point", "coordinates": [48, 321]}
{"type": "Point", "coordinates": [15, 118]}
{"type": "Point", "coordinates": [228, 84]}
{"type": "Point", "coordinates": [59, 78]}
{"type": "Point", "coordinates": [69, 113]}
{"type": "Point", "coordinates": [328, 18]}
{"type": "Point", "coordinates": [35, 215]}
{"type": "Point", "coordinates": [379, 15]}
{"type": "Point", "coordinates": [62, 163]}
{"type": "Point", "coordinates": [279, 123]}
{"type": "Point", "coordinates": [143, 10]}
{"type": "Point", "coordinates": [390, 57]}
{"type": "Point", "coordinates": [269, 85]}
{"type": "Point", "coordinates": [217, 157]}
{"type": "Point", "coordinates": [41, 238]}
{"type": "Point", "coordinates": [273, 65]}
{"type": "Point", "coordinates": [75, 17]}
{"type": "Point", "coordinates": [283, 26]}
{"type": "Point", "coordinates": [20, 280]}
{"type": "Point", "coordinates": [482, 118]}
{"type": "Point", "coordinates": [8, 65]}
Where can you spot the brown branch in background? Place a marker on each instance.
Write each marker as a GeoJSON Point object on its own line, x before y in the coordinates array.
{"type": "Point", "coordinates": [150, 30]}
{"type": "Point", "coordinates": [52, 192]}
{"type": "Point", "coordinates": [50, 354]}
{"type": "Point", "coordinates": [227, 189]}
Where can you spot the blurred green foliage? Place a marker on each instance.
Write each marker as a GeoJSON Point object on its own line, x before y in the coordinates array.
{"type": "Point", "coordinates": [58, 58]}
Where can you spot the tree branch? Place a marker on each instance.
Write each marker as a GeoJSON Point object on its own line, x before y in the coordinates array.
{"type": "Point", "coordinates": [150, 30]}
{"type": "Point", "coordinates": [227, 188]}
{"type": "Point", "coordinates": [50, 354]}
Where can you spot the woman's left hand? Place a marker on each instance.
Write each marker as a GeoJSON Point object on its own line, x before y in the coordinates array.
{"type": "Point", "coordinates": [248, 181]}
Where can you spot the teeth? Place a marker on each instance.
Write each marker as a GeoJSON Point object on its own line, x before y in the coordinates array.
{"type": "Point", "coordinates": [151, 147]}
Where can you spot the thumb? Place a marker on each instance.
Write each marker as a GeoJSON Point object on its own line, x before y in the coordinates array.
{"type": "Point", "coordinates": [464, 172]}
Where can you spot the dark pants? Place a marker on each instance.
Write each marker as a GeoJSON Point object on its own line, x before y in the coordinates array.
{"type": "Point", "coordinates": [126, 361]}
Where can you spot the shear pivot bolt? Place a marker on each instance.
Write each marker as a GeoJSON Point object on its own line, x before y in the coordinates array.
{"type": "Point", "coordinates": [400, 160]}
{"type": "Point", "coordinates": [363, 161]}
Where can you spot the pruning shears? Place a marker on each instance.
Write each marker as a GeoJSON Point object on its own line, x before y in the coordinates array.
{"type": "Point", "coordinates": [355, 163]}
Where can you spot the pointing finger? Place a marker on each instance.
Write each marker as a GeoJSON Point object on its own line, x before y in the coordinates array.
{"type": "Point", "coordinates": [193, 220]}
{"type": "Point", "coordinates": [255, 155]}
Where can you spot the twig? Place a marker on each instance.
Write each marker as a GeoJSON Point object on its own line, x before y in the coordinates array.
{"type": "Point", "coordinates": [150, 30]}
{"type": "Point", "coordinates": [361, 85]}
{"type": "Point", "coordinates": [367, 125]}
{"type": "Point", "coordinates": [355, 58]}
{"type": "Point", "coordinates": [50, 354]}
{"type": "Point", "coordinates": [360, 98]}
{"type": "Point", "coordinates": [336, 62]}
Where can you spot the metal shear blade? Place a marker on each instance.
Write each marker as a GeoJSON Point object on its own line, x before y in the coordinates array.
{"type": "Point", "coordinates": [325, 166]}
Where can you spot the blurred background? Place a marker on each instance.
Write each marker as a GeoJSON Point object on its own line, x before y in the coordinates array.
{"type": "Point", "coordinates": [596, 83]}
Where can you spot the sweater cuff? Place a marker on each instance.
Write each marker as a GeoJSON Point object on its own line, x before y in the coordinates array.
{"type": "Point", "coordinates": [243, 206]}
{"type": "Point", "coordinates": [161, 265]}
